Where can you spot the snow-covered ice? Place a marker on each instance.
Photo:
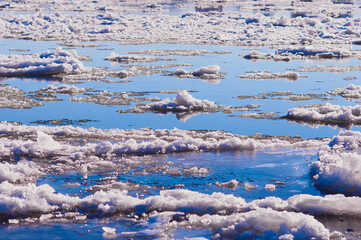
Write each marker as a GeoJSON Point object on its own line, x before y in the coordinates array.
{"type": "Point", "coordinates": [326, 113]}
{"type": "Point", "coordinates": [46, 63]}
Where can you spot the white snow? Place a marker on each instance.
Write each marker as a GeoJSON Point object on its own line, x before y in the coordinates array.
{"type": "Point", "coordinates": [338, 167]}
{"type": "Point", "coordinates": [326, 113]}
{"type": "Point", "coordinates": [46, 63]}
{"type": "Point", "coordinates": [109, 230]}
{"type": "Point", "coordinates": [210, 72]}
{"type": "Point", "coordinates": [15, 98]}
{"type": "Point", "coordinates": [270, 187]}
{"type": "Point", "coordinates": [227, 215]}
{"type": "Point", "coordinates": [63, 89]}
{"type": "Point", "coordinates": [350, 92]}
{"type": "Point", "coordinates": [181, 103]}
{"type": "Point", "coordinates": [293, 76]}
{"type": "Point", "coordinates": [132, 58]}
{"type": "Point", "coordinates": [107, 23]}
{"type": "Point", "coordinates": [40, 141]}
{"type": "Point", "coordinates": [23, 171]}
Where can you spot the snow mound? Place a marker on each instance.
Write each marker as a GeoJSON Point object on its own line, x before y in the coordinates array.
{"type": "Point", "coordinates": [46, 63]}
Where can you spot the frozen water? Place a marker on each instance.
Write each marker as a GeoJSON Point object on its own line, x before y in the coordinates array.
{"type": "Point", "coordinates": [173, 120]}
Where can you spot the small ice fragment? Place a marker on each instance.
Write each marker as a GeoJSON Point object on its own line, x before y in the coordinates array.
{"type": "Point", "coordinates": [248, 186]}
{"type": "Point", "coordinates": [13, 221]}
{"type": "Point", "coordinates": [270, 187]}
{"type": "Point", "coordinates": [83, 217]}
{"type": "Point", "coordinates": [109, 230]}
{"type": "Point", "coordinates": [45, 217]}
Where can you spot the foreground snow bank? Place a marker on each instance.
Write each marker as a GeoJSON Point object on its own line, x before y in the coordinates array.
{"type": "Point", "coordinates": [46, 63]}
{"type": "Point", "coordinates": [226, 216]}
{"type": "Point", "coordinates": [338, 167]}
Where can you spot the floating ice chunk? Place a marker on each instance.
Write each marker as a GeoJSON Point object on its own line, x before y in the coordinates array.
{"type": "Point", "coordinates": [47, 142]}
{"type": "Point", "coordinates": [326, 113]}
{"type": "Point", "coordinates": [183, 102]}
{"type": "Point", "coordinates": [270, 187]}
{"type": "Point", "coordinates": [180, 52]}
{"type": "Point", "coordinates": [322, 52]}
{"type": "Point", "coordinates": [180, 71]}
{"type": "Point", "coordinates": [12, 97]}
{"type": "Point", "coordinates": [109, 230]}
{"type": "Point", "coordinates": [13, 221]}
{"type": "Point", "coordinates": [338, 166]}
{"type": "Point", "coordinates": [211, 69]}
{"type": "Point", "coordinates": [350, 92]}
{"type": "Point", "coordinates": [133, 58]}
{"type": "Point", "coordinates": [249, 186]}
{"type": "Point", "coordinates": [46, 63]}
{"type": "Point", "coordinates": [63, 89]}
{"type": "Point", "coordinates": [293, 76]}
{"type": "Point", "coordinates": [230, 184]}
{"type": "Point", "coordinates": [210, 73]}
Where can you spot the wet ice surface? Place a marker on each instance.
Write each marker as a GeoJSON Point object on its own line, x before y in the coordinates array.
{"type": "Point", "coordinates": [168, 143]}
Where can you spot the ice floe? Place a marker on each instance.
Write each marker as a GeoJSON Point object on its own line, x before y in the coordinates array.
{"type": "Point", "coordinates": [183, 102]}
{"type": "Point", "coordinates": [292, 76]}
{"type": "Point", "coordinates": [12, 97]}
{"type": "Point", "coordinates": [326, 113]}
{"type": "Point", "coordinates": [210, 72]}
{"type": "Point", "coordinates": [109, 98]}
{"type": "Point", "coordinates": [350, 92]}
{"type": "Point", "coordinates": [288, 95]}
{"type": "Point", "coordinates": [177, 52]}
{"type": "Point", "coordinates": [98, 142]}
{"type": "Point", "coordinates": [46, 63]}
{"type": "Point", "coordinates": [338, 167]}
{"type": "Point", "coordinates": [128, 59]}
